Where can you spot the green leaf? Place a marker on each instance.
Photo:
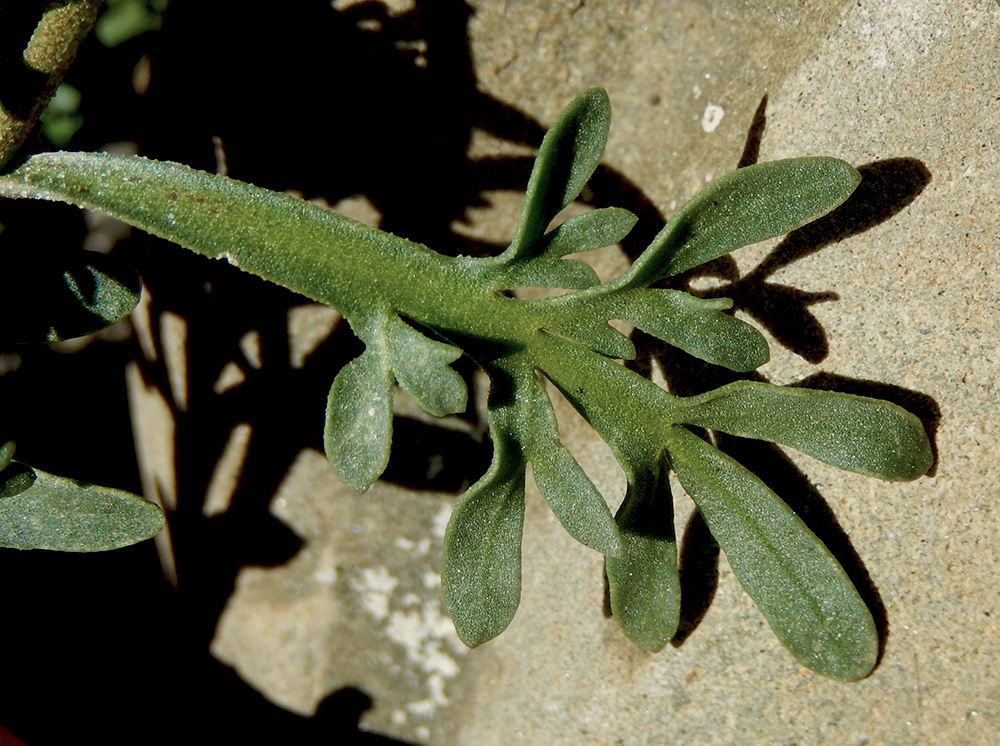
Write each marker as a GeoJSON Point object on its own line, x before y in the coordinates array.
{"type": "Point", "coordinates": [6, 454]}
{"type": "Point", "coordinates": [570, 152]}
{"type": "Point", "coordinates": [15, 479]}
{"type": "Point", "coordinates": [644, 582]}
{"type": "Point", "coordinates": [593, 330]}
{"type": "Point", "coordinates": [46, 303]}
{"type": "Point", "coordinates": [481, 563]}
{"type": "Point", "coordinates": [381, 283]}
{"type": "Point", "coordinates": [799, 587]}
{"type": "Point", "coordinates": [749, 205]}
{"type": "Point", "coordinates": [358, 430]}
{"type": "Point", "coordinates": [587, 232]}
{"type": "Point", "coordinates": [869, 436]}
{"type": "Point", "coordinates": [69, 516]}
{"type": "Point", "coordinates": [422, 368]}
{"type": "Point", "coordinates": [698, 326]}
{"type": "Point", "coordinates": [541, 265]}
{"type": "Point", "coordinates": [576, 502]}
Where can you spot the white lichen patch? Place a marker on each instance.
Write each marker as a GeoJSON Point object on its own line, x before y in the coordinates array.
{"type": "Point", "coordinates": [414, 620]}
{"type": "Point", "coordinates": [375, 586]}
{"type": "Point", "coordinates": [422, 634]}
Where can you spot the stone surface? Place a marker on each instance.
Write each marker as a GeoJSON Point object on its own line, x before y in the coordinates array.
{"type": "Point", "coordinates": [911, 90]}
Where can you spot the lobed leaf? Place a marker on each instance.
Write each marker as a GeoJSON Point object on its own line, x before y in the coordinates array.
{"type": "Point", "coordinates": [698, 326]}
{"type": "Point", "coordinates": [571, 150]}
{"type": "Point", "coordinates": [799, 587]}
{"type": "Point", "coordinates": [372, 276]}
{"type": "Point", "coordinates": [481, 562]}
{"type": "Point", "coordinates": [749, 205]}
{"type": "Point", "coordinates": [857, 433]}
{"type": "Point", "coordinates": [569, 492]}
{"type": "Point", "coordinates": [64, 515]}
{"type": "Point", "coordinates": [422, 367]}
{"type": "Point", "coordinates": [587, 232]}
{"type": "Point", "coordinates": [358, 430]}
{"type": "Point", "coordinates": [644, 582]}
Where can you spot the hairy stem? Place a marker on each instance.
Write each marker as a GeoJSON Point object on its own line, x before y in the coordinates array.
{"type": "Point", "coordinates": [28, 86]}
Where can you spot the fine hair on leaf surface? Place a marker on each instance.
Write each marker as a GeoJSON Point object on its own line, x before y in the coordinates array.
{"type": "Point", "coordinates": [39, 510]}
{"type": "Point", "coordinates": [417, 311]}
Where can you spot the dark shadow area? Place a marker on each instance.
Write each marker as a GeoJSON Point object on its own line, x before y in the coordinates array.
{"type": "Point", "coordinates": [699, 572]}
{"type": "Point", "coordinates": [103, 650]}
{"type": "Point", "coordinates": [331, 104]}
{"type": "Point", "coordinates": [755, 135]}
{"type": "Point", "coordinates": [54, 293]}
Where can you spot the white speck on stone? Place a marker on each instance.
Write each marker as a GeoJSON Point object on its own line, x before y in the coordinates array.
{"type": "Point", "coordinates": [711, 118]}
{"type": "Point", "coordinates": [398, 717]}
{"type": "Point", "coordinates": [410, 599]}
{"type": "Point", "coordinates": [421, 708]}
{"type": "Point", "coordinates": [708, 178]}
{"type": "Point", "coordinates": [326, 575]}
{"type": "Point", "coordinates": [423, 733]}
{"type": "Point", "coordinates": [436, 685]}
{"type": "Point", "coordinates": [696, 90]}
{"type": "Point", "coordinates": [431, 580]}
{"type": "Point", "coordinates": [421, 547]}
